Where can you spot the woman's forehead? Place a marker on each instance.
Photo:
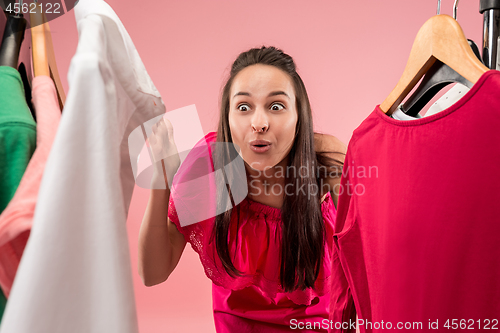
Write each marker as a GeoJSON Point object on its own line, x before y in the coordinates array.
{"type": "Point", "coordinates": [258, 80]}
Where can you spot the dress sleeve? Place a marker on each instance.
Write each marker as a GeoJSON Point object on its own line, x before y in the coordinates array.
{"type": "Point", "coordinates": [172, 214]}
{"type": "Point", "coordinates": [342, 308]}
{"type": "Point", "coordinates": [188, 194]}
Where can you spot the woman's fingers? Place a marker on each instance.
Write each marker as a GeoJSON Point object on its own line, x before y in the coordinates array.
{"type": "Point", "coordinates": [162, 141]}
{"type": "Point", "coordinates": [152, 139]}
{"type": "Point", "coordinates": [164, 149]}
{"type": "Point", "coordinates": [169, 128]}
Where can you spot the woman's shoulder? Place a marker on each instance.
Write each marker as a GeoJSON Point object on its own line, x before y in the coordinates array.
{"type": "Point", "coordinates": [330, 144]}
{"type": "Point", "coordinates": [332, 147]}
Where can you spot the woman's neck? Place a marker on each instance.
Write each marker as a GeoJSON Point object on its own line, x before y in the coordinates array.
{"type": "Point", "coordinates": [273, 174]}
{"type": "Point", "coordinates": [263, 181]}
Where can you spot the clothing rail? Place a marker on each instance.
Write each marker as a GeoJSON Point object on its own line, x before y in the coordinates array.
{"type": "Point", "coordinates": [491, 26]}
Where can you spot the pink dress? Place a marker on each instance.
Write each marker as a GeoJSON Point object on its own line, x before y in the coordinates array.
{"type": "Point", "coordinates": [255, 302]}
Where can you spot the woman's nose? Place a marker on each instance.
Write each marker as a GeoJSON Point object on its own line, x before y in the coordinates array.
{"type": "Point", "coordinates": [260, 122]}
{"type": "Point", "coordinates": [260, 128]}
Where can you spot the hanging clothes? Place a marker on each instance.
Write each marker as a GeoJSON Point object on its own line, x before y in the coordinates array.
{"type": "Point", "coordinates": [417, 229]}
{"type": "Point", "coordinates": [399, 114]}
{"type": "Point", "coordinates": [16, 220]}
{"type": "Point", "coordinates": [17, 142]}
{"type": "Point", "coordinates": [27, 87]}
{"type": "Point", "coordinates": [75, 274]}
{"type": "Point", "coordinates": [3, 303]}
{"type": "Point", "coordinates": [448, 99]}
{"type": "Point", "coordinates": [17, 133]}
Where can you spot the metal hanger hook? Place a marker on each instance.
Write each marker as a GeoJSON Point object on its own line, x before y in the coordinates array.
{"type": "Point", "coordinates": [20, 13]}
{"type": "Point", "coordinates": [455, 8]}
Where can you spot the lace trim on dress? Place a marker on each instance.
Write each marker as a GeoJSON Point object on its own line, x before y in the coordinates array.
{"type": "Point", "coordinates": [260, 261]}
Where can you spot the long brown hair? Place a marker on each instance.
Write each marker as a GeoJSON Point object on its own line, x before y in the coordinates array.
{"type": "Point", "coordinates": [303, 231]}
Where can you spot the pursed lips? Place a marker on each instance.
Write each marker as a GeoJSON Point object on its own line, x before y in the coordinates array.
{"type": "Point", "coordinates": [260, 146]}
{"type": "Point", "coordinates": [260, 143]}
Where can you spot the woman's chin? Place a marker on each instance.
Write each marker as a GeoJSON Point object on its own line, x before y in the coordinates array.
{"type": "Point", "coordinates": [260, 165]}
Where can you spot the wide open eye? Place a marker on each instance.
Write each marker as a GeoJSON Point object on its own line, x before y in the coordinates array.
{"type": "Point", "coordinates": [243, 107]}
{"type": "Point", "coordinates": [277, 107]}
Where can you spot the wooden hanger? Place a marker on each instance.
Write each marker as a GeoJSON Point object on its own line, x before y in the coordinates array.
{"type": "Point", "coordinates": [44, 60]}
{"type": "Point", "coordinates": [436, 78]}
{"type": "Point", "coordinates": [440, 38]}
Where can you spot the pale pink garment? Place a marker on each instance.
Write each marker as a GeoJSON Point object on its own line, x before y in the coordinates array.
{"type": "Point", "coordinates": [254, 302]}
{"type": "Point", "coordinates": [17, 218]}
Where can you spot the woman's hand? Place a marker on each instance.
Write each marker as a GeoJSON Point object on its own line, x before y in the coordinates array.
{"type": "Point", "coordinates": [166, 159]}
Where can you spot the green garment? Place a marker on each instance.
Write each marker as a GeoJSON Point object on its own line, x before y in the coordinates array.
{"type": "Point", "coordinates": [17, 138]}
{"type": "Point", "coordinates": [3, 303]}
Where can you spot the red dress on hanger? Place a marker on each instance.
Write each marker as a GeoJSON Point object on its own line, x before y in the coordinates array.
{"type": "Point", "coordinates": [418, 226]}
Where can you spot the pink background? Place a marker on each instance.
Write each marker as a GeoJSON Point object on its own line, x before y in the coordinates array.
{"type": "Point", "coordinates": [350, 55]}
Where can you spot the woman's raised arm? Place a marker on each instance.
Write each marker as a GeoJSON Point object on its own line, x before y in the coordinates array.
{"type": "Point", "coordinates": [160, 243]}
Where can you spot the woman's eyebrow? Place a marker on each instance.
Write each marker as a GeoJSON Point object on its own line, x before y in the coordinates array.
{"type": "Point", "coordinates": [241, 93]}
{"type": "Point", "coordinates": [274, 93]}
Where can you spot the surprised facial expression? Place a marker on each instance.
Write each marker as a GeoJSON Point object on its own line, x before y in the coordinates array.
{"type": "Point", "coordinates": [262, 115]}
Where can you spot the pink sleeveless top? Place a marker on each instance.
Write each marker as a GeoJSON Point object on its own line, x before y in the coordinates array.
{"type": "Point", "coordinates": [255, 302]}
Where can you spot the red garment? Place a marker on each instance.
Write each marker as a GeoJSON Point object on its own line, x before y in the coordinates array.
{"type": "Point", "coordinates": [17, 218]}
{"type": "Point", "coordinates": [254, 302]}
{"type": "Point", "coordinates": [419, 235]}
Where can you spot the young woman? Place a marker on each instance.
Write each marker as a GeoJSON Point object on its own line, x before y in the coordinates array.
{"type": "Point", "coordinates": [269, 256]}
